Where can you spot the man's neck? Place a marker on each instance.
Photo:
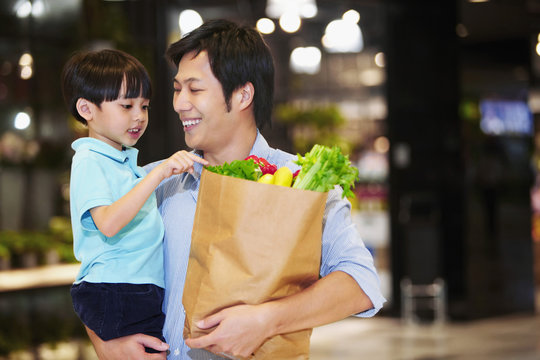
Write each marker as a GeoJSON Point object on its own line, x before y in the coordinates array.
{"type": "Point", "coordinates": [238, 148]}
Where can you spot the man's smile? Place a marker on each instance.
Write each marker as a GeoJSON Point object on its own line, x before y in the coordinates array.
{"type": "Point", "coordinates": [190, 123]}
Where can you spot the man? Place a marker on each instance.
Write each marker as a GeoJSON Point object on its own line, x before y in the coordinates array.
{"type": "Point", "coordinates": [223, 94]}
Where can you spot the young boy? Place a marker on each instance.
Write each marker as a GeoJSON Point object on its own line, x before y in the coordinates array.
{"type": "Point", "coordinates": [117, 229]}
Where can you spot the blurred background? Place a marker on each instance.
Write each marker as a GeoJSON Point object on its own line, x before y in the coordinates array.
{"type": "Point", "coordinates": [436, 103]}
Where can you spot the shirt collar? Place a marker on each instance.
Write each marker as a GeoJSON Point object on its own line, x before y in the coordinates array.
{"type": "Point", "coordinates": [260, 147]}
{"type": "Point", "coordinates": [98, 146]}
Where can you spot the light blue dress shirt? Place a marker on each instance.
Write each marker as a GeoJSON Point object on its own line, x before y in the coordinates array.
{"type": "Point", "coordinates": [342, 248]}
{"type": "Point", "coordinates": [100, 175]}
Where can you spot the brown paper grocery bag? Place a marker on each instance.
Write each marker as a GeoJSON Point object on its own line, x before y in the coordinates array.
{"type": "Point", "coordinates": [252, 243]}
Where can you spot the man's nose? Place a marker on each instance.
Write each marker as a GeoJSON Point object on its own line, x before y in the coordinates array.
{"type": "Point", "coordinates": [181, 102]}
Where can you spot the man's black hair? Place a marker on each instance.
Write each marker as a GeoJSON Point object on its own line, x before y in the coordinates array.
{"type": "Point", "coordinates": [237, 55]}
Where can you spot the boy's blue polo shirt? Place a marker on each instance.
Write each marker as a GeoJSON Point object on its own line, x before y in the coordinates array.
{"type": "Point", "coordinates": [100, 175]}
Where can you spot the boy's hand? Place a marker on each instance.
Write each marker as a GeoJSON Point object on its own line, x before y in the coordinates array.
{"type": "Point", "coordinates": [179, 162]}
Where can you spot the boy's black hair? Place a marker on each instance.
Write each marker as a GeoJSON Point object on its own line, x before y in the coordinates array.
{"type": "Point", "coordinates": [98, 76]}
{"type": "Point", "coordinates": [237, 55]}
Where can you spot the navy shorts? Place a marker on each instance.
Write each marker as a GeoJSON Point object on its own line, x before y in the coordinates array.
{"type": "Point", "coordinates": [116, 310]}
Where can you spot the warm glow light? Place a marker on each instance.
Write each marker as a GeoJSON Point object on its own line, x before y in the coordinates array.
{"type": "Point", "coordinates": [26, 60]}
{"type": "Point", "coordinates": [352, 16]}
{"type": "Point", "coordinates": [265, 26]}
{"type": "Point", "coordinates": [189, 20]}
{"type": "Point", "coordinates": [371, 77]}
{"type": "Point", "coordinates": [303, 8]}
{"type": "Point", "coordinates": [308, 10]}
{"type": "Point", "coordinates": [22, 121]}
{"type": "Point", "coordinates": [461, 31]}
{"type": "Point", "coordinates": [306, 60]}
{"type": "Point", "coordinates": [290, 22]}
{"type": "Point", "coordinates": [381, 144]}
{"type": "Point", "coordinates": [538, 49]}
{"type": "Point", "coordinates": [379, 59]}
{"type": "Point", "coordinates": [23, 9]}
{"type": "Point", "coordinates": [343, 36]}
{"type": "Point", "coordinates": [38, 8]}
{"type": "Point", "coordinates": [26, 72]}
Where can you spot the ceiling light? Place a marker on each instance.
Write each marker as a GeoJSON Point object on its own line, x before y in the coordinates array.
{"type": "Point", "coordinates": [343, 36]}
{"type": "Point", "coordinates": [38, 8]}
{"type": "Point", "coordinates": [303, 8]}
{"type": "Point", "coordinates": [351, 16]}
{"type": "Point", "coordinates": [265, 26]}
{"type": "Point", "coordinates": [22, 121]}
{"type": "Point", "coordinates": [26, 60]}
{"type": "Point", "coordinates": [290, 22]}
{"type": "Point", "coordinates": [305, 60]}
{"type": "Point", "coordinates": [188, 21]}
{"type": "Point", "coordinates": [379, 59]}
{"type": "Point", "coordinates": [23, 8]}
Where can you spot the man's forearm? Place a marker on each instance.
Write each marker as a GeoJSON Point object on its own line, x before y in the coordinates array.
{"type": "Point", "coordinates": [331, 298]}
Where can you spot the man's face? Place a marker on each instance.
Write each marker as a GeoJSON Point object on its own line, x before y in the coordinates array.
{"type": "Point", "coordinates": [199, 101]}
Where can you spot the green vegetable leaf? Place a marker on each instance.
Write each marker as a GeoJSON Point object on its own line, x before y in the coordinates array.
{"type": "Point", "coordinates": [323, 168]}
{"type": "Point", "coordinates": [242, 169]}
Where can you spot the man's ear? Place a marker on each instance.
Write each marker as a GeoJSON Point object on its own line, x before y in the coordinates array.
{"type": "Point", "coordinates": [245, 95]}
{"type": "Point", "coordinates": [84, 108]}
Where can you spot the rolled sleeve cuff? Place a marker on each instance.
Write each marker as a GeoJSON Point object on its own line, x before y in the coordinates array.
{"type": "Point", "coordinates": [371, 287]}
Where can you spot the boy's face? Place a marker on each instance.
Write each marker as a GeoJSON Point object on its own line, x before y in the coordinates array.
{"type": "Point", "coordinates": [119, 122]}
{"type": "Point", "coordinates": [199, 101]}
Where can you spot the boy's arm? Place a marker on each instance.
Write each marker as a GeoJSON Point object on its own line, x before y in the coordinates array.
{"type": "Point", "coordinates": [112, 218]}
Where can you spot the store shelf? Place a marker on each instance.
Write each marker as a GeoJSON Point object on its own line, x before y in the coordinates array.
{"type": "Point", "coordinates": [39, 277]}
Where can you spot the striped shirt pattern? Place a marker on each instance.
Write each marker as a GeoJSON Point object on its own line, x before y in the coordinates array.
{"type": "Point", "coordinates": [342, 247]}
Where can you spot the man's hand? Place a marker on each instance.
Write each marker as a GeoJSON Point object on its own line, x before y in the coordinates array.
{"type": "Point", "coordinates": [240, 331]}
{"type": "Point", "coordinates": [128, 347]}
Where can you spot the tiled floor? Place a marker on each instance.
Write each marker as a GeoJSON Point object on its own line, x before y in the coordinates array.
{"type": "Point", "coordinates": [507, 338]}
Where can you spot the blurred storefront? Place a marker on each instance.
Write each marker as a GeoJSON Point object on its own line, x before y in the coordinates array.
{"type": "Point", "coordinates": [436, 103]}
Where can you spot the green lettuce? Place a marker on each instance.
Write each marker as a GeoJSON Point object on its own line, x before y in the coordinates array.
{"type": "Point", "coordinates": [323, 168]}
{"type": "Point", "coordinates": [242, 169]}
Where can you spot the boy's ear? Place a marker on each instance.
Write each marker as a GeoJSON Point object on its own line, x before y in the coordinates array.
{"type": "Point", "coordinates": [84, 108]}
{"type": "Point", "coordinates": [245, 95]}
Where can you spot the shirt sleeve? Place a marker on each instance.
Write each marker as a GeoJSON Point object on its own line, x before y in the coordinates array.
{"type": "Point", "coordinates": [92, 189]}
{"type": "Point", "coordinates": [344, 250]}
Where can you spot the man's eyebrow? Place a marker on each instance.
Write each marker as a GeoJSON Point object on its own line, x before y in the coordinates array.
{"type": "Point", "coordinates": [188, 80]}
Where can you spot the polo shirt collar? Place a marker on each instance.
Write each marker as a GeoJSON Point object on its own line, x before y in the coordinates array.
{"type": "Point", "coordinates": [127, 154]}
